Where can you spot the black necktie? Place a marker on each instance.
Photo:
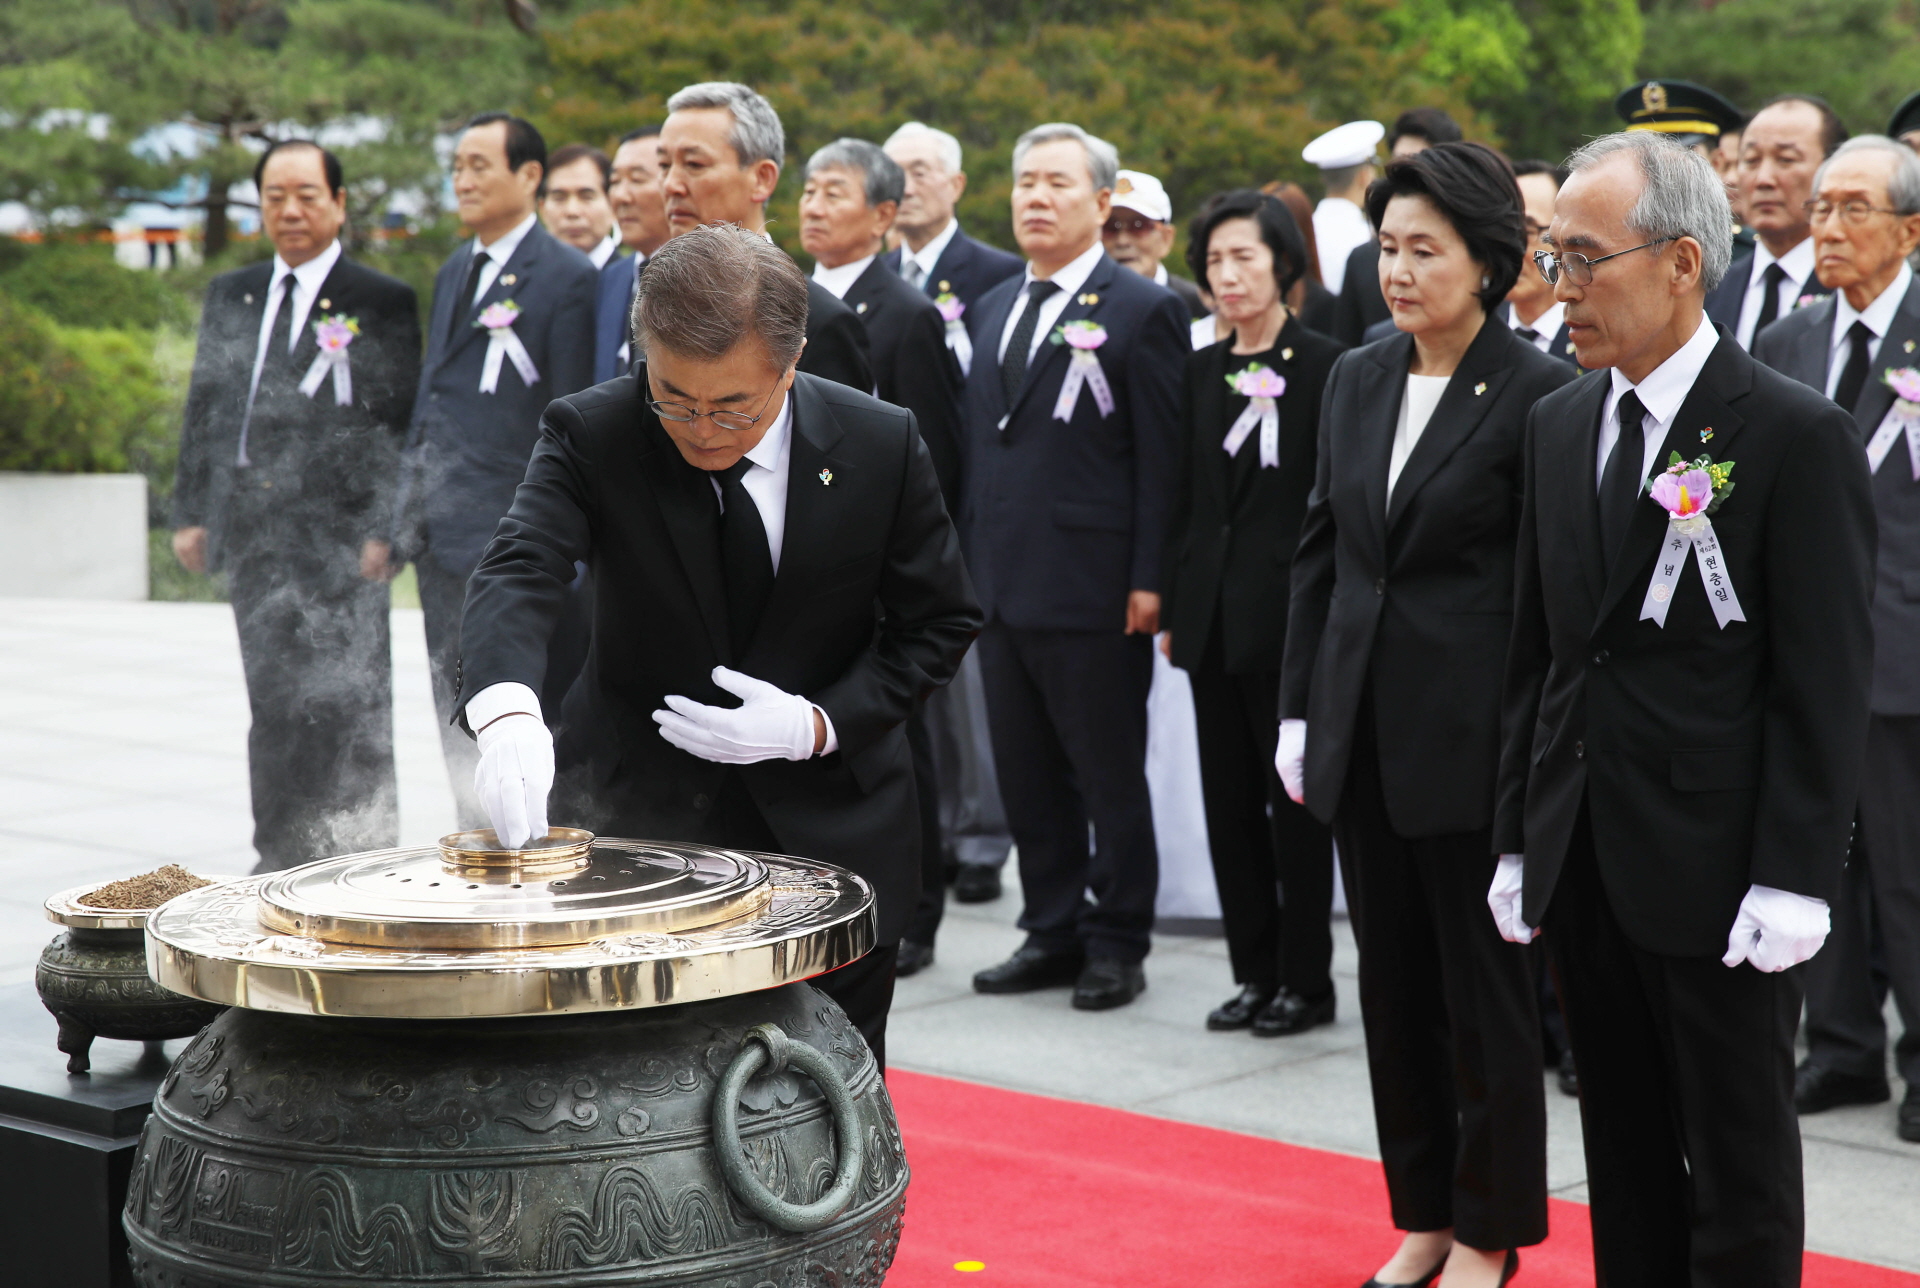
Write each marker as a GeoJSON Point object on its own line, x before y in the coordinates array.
{"type": "Point", "coordinates": [1013, 367]}
{"type": "Point", "coordinates": [745, 557]}
{"type": "Point", "coordinates": [277, 356]}
{"type": "Point", "coordinates": [1853, 377]}
{"type": "Point", "coordinates": [1769, 298]}
{"type": "Point", "coordinates": [1528, 334]}
{"type": "Point", "coordinates": [463, 302]}
{"type": "Point", "coordinates": [1621, 480]}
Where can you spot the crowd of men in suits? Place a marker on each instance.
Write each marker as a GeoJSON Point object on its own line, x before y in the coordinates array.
{"type": "Point", "coordinates": [902, 601]}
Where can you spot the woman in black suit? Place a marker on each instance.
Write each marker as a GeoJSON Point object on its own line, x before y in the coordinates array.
{"type": "Point", "coordinates": [1402, 604]}
{"type": "Point", "coordinates": [1230, 539]}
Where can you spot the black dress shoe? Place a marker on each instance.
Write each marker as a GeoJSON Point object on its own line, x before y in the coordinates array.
{"type": "Point", "coordinates": [1106, 983]}
{"type": "Point", "coordinates": [1422, 1282]}
{"type": "Point", "coordinates": [976, 883]}
{"type": "Point", "coordinates": [1910, 1115]}
{"type": "Point", "coordinates": [911, 959]}
{"type": "Point", "coordinates": [1816, 1090]}
{"type": "Point", "coordinates": [1569, 1076]}
{"type": "Point", "coordinates": [1029, 970]}
{"type": "Point", "coordinates": [1289, 1013]}
{"type": "Point", "coordinates": [1237, 1012]}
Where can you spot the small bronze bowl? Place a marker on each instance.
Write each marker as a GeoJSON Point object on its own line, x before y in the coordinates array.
{"type": "Point", "coordinates": [94, 980]}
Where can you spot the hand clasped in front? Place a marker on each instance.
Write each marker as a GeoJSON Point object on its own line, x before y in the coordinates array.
{"type": "Point", "coordinates": [769, 723]}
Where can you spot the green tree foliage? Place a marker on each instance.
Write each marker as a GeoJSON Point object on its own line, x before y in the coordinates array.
{"type": "Point", "coordinates": [81, 285]}
{"type": "Point", "coordinates": [76, 400]}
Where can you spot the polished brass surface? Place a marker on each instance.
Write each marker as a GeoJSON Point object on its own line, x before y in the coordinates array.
{"type": "Point", "coordinates": [68, 909]}
{"type": "Point", "coordinates": [559, 849]}
{"type": "Point", "coordinates": [217, 944]}
{"type": "Point", "coordinates": [409, 900]}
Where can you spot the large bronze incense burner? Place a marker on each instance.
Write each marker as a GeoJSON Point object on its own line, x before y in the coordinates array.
{"type": "Point", "coordinates": [590, 1062]}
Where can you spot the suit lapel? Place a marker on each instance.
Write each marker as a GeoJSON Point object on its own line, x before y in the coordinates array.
{"type": "Point", "coordinates": [986, 350]}
{"type": "Point", "coordinates": [1210, 414]}
{"type": "Point", "coordinates": [864, 295]}
{"type": "Point", "coordinates": [1578, 502]}
{"type": "Point", "coordinates": [1378, 419]}
{"type": "Point", "coordinates": [1898, 349]}
{"type": "Point", "coordinates": [691, 512]}
{"type": "Point", "coordinates": [519, 267]}
{"type": "Point", "coordinates": [1085, 303]}
{"type": "Point", "coordinates": [817, 483]}
{"type": "Point", "coordinates": [1474, 388]}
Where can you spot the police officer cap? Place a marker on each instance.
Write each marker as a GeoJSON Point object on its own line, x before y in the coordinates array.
{"type": "Point", "coordinates": [1345, 145]}
{"type": "Point", "coordinates": [1678, 108]}
{"type": "Point", "coordinates": [1906, 117]}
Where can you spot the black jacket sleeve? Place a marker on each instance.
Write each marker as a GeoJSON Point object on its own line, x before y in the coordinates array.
{"type": "Point", "coordinates": [1311, 591]}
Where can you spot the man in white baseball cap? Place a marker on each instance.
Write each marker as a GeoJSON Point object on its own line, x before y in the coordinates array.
{"type": "Point", "coordinates": [1345, 156]}
{"type": "Point", "coordinates": [1138, 234]}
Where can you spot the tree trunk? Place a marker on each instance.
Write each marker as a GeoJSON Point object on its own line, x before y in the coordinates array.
{"type": "Point", "coordinates": [217, 227]}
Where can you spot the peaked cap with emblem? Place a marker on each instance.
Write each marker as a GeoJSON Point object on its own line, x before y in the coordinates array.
{"type": "Point", "coordinates": [1905, 118]}
{"type": "Point", "coordinates": [1680, 109]}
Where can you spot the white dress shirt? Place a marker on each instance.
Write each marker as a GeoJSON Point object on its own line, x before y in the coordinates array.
{"type": "Point", "coordinates": [838, 281]}
{"type": "Point", "coordinates": [1878, 317]}
{"type": "Point", "coordinates": [917, 265]}
{"type": "Point", "coordinates": [1798, 266]}
{"type": "Point", "coordinates": [1544, 327]}
{"type": "Point", "coordinates": [1416, 409]}
{"type": "Point", "coordinates": [625, 352]}
{"type": "Point", "coordinates": [605, 250]}
{"type": "Point", "coordinates": [1661, 393]}
{"type": "Point", "coordinates": [1069, 279]}
{"type": "Point", "coordinates": [498, 254]}
{"type": "Point", "coordinates": [306, 281]}
{"type": "Point", "coordinates": [1338, 227]}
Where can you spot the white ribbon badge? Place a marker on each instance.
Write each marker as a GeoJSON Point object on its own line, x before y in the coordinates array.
{"type": "Point", "coordinates": [334, 360]}
{"type": "Point", "coordinates": [1083, 370]}
{"type": "Point", "coordinates": [502, 343]}
{"type": "Point", "coordinates": [1903, 418]}
{"type": "Point", "coordinates": [1265, 413]}
{"type": "Point", "coordinates": [962, 345]}
{"type": "Point", "coordinates": [1695, 533]}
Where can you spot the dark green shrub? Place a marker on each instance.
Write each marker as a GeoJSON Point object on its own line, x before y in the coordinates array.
{"type": "Point", "coordinates": [81, 285]}
{"type": "Point", "coordinates": [80, 401]}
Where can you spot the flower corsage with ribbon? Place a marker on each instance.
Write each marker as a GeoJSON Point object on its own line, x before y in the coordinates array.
{"type": "Point", "coordinates": [502, 344]}
{"type": "Point", "coordinates": [1902, 420]}
{"type": "Point", "coordinates": [1690, 492]}
{"type": "Point", "coordinates": [1261, 386]}
{"type": "Point", "coordinates": [333, 334]}
{"type": "Point", "coordinates": [1084, 337]}
{"type": "Point", "coordinates": [951, 310]}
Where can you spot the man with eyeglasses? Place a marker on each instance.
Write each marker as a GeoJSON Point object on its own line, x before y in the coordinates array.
{"type": "Point", "coordinates": [1866, 222]}
{"type": "Point", "coordinates": [1138, 235]}
{"type": "Point", "coordinates": [777, 585]}
{"type": "Point", "coordinates": [1686, 709]}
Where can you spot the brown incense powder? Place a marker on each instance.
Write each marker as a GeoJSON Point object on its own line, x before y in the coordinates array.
{"type": "Point", "coordinates": [149, 890]}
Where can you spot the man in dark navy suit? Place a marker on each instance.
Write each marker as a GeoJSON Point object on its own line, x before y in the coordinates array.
{"type": "Point", "coordinates": [934, 254]}
{"type": "Point", "coordinates": [1072, 414]}
{"type": "Point", "coordinates": [640, 212]}
{"type": "Point", "coordinates": [512, 329]}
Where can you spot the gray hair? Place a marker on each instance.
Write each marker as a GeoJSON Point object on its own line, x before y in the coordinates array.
{"type": "Point", "coordinates": [945, 144]}
{"type": "Point", "coordinates": [1903, 185]}
{"type": "Point", "coordinates": [885, 180]}
{"type": "Point", "coordinates": [1103, 162]}
{"type": "Point", "coordinates": [705, 290]}
{"type": "Point", "coordinates": [1683, 196]}
{"type": "Point", "coordinates": [756, 134]}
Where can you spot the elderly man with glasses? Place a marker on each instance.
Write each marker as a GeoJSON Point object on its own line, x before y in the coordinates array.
{"type": "Point", "coordinates": [1866, 222]}
{"type": "Point", "coordinates": [1686, 710]}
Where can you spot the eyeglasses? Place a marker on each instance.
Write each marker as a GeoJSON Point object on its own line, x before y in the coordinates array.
{"type": "Point", "coordinates": [737, 421]}
{"type": "Point", "coordinates": [1578, 268]}
{"type": "Point", "coordinates": [1851, 212]}
{"type": "Point", "coordinates": [1135, 224]}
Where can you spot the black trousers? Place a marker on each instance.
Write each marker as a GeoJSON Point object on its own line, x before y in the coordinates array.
{"type": "Point", "coordinates": [1686, 1101]}
{"type": "Point", "coordinates": [315, 649]}
{"type": "Point", "coordinates": [863, 988]}
{"type": "Point", "coordinates": [1453, 1031]}
{"type": "Point", "coordinates": [1878, 905]}
{"type": "Point", "coordinates": [1068, 711]}
{"type": "Point", "coordinates": [925, 923]}
{"type": "Point", "coordinates": [1272, 859]}
{"type": "Point", "coordinates": [443, 598]}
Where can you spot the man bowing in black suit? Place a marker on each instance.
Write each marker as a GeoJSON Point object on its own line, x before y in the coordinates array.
{"type": "Point", "coordinates": [301, 388]}
{"type": "Point", "coordinates": [777, 586]}
{"type": "Point", "coordinates": [1685, 714]}
{"type": "Point", "coordinates": [720, 156]}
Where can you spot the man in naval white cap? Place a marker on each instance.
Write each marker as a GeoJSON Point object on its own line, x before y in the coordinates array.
{"type": "Point", "coordinates": [1345, 156]}
{"type": "Point", "coordinates": [1138, 235]}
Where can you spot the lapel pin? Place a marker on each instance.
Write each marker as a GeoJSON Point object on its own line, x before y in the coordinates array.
{"type": "Point", "coordinates": [946, 286]}
{"type": "Point", "coordinates": [1908, 346]}
{"type": "Point", "coordinates": [247, 298]}
{"type": "Point", "coordinates": [826, 478]}
{"type": "Point", "coordinates": [1286, 355]}
{"type": "Point", "coordinates": [861, 307]}
{"type": "Point", "coordinates": [508, 280]}
{"type": "Point", "coordinates": [1569, 346]}
{"type": "Point", "coordinates": [1706, 435]}
{"type": "Point", "coordinates": [1092, 298]}
{"type": "Point", "coordinates": [326, 304]}
{"type": "Point", "coordinates": [1480, 389]}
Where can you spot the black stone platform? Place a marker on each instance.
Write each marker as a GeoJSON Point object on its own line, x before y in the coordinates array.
{"type": "Point", "coordinates": [66, 1148]}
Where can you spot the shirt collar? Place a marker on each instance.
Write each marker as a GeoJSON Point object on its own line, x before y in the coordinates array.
{"type": "Point", "coordinates": [1159, 274]}
{"type": "Point", "coordinates": [840, 280]}
{"type": "Point", "coordinates": [1878, 315]}
{"type": "Point", "coordinates": [502, 251]}
{"type": "Point", "coordinates": [310, 274]}
{"type": "Point", "coordinates": [1797, 263]}
{"type": "Point", "coordinates": [609, 247]}
{"type": "Point", "coordinates": [771, 451]}
{"type": "Point", "coordinates": [1547, 324]}
{"type": "Point", "coordinates": [929, 255]}
{"type": "Point", "coordinates": [1074, 276]}
{"type": "Point", "coordinates": [1668, 384]}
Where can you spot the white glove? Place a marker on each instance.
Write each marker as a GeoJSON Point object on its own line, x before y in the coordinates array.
{"type": "Point", "coordinates": [514, 775]}
{"type": "Point", "coordinates": [1776, 929]}
{"type": "Point", "coordinates": [769, 722]}
{"type": "Point", "coordinates": [1290, 758]}
{"type": "Point", "coordinates": [1503, 897]}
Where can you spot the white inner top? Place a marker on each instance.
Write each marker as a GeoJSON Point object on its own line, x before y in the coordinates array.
{"type": "Point", "coordinates": [1416, 409]}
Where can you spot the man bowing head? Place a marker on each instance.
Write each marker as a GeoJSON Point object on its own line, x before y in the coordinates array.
{"type": "Point", "coordinates": [1685, 719]}
{"type": "Point", "coordinates": [776, 586]}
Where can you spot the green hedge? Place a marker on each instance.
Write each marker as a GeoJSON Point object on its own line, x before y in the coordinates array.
{"type": "Point", "coordinates": [82, 285]}
{"type": "Point", "coordinates": [79, 400]}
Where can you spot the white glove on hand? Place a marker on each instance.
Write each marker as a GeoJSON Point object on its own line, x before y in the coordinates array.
{"type": "Point", "coordinates": [769, 722]}
{"type": "Point", "coordinates": [1503, 897]}
{"type": "Point", "coordinates": [1290, 758]}
{"type": "Point", "coordinates": [1776, 929]}
{"type": "Point", "coordinates": [514, 776]}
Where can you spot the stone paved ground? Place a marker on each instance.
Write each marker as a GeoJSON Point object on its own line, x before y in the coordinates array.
{"type": "Point", "coordinates": [123, 744]}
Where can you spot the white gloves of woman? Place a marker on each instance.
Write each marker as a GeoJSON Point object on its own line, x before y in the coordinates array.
{"type": "Point", "coordinates": [1503, 897]}
{"type": "Point", "coordinates": [768, 723]}
{"type": "Point", "coordinates": [1290, 758]}
{"type": "Point", "coordinates": [514, 775]}
{"type": "Point", "coordinates": [1775, 929]}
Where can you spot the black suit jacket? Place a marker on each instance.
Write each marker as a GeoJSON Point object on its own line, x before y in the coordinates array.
{"type": "Point", "coordinates": [467, 451]}
{"type": "Point", "coordinates": [1800, 346]}
{"type": "Point", "coordinates": [837, 347]}
{"type": "Point", "coordinates": [966, 269]}
{"type": "Point", "coordinates": [322, 475]}
{"type": "Point", "coordinates": [1414, 598]}
{"type": "Point", "coordinates": [1360, 304]}
{"type": "Point", "coordinates": [1710, 759]}
{"type": "Point", "coordinates": [1724, 301]}
{"type": "Point", "coordinates": [1064, 519]}
{"type": "Point", "coordinates": [1235, 524]}
{"type": "Point", "coordinates": [1189, 293]}
{"type": "Point", "coordinates": [613, 314]}
{"type": "Point", "coordinates": [1319, 311]}
{"type": "Point", "coordinates": [1561, 346]}
{"type": "Point", "coordinates": [871, 610]}
{"type": "Point", "coordinates": [912, 366]}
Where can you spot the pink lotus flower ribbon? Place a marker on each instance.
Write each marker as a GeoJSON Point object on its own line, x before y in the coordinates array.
{"type": "Point", "coordinates": [1686, 492]}
{"type": "Point", "coordinates": [332, 335]}
{"type": "Point", "coordinates": [1084, 338]}
{"type": "Point", "coordinates": [957, 338]}
{"type": "Point", "coordinates": [503, 345]}
{"type": "Point", "coordinates": [1902, 420]}
{"type": "Point", "coordinates": [1261, 386]}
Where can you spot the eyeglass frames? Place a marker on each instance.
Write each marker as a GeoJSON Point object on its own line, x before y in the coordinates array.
{"type": "Point", "coordinates": [1578, 268]}
{"type": "Point", "coordinates": [736, 421]}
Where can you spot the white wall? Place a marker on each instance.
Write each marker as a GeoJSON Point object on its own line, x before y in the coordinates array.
{"type": "Point", "coordinates": [73, 536]}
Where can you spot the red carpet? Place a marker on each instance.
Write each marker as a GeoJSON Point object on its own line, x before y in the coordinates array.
{"type": "Point", "coordinates": [1054, 1194]}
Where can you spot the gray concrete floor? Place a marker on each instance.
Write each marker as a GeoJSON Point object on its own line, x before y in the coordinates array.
{"type": "Point", "coordinates": [123, 744]}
